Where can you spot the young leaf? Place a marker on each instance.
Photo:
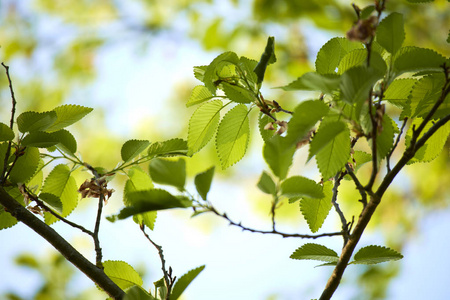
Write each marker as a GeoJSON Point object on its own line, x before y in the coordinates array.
{"type": "Point", "coordinates": [357, 82]}
{"type": "Point", "coordinates": [414, 59]}
{"type": "Point", "coordinates": [233, 136]}
{"type": "Point", "coordinates": [237, 94]}
{"type": "Point", "coordinates": [25, 166]}
{"type": "Point", "coordinates": [263, 120]}
{"type": "Point", "coordinates": [33, 121]}
{"type": "Point", "coordinates": [375, 254]}
{"type": "Point", "coordinates": [433, 147]}
{"type": "Point", "coordinates": [333, 156]}
{"type": "Point", "coordinates": [199, 95]}
{"type": "Point", "coordinates": [267, 58]}
{"type": "Point", "coordinates": [266, 184]}
{"type": "Point", "coordinates": [215, 67]}
{"type": "Point", "coordinates": [138, 180]}
{"type": "Point", "coordinates": [169, 172]}
{"type": "Point", "coordinates": [39, 139]}
{"type": "Point", "coordinates": [390, 32]}
{"type": "Point", "coordinates": [332, 52]}
{"type": "Point", "coordinates": [138, 293]}
{"type": "Point", "coordinates": [151, 200]}
{"type": "Point", "coordinates": [6, 134]}
{"type": "Point", "coordinates": [305, 116]}
{"type": "Point", "coordinates": [203, 125]}
{"type": "Point", "coordinates": [184, 282]}
{"type": "Point", "coordinates": [298, 186]}
{"type": "Point", "coordinates": [203, 182]}
{"type": "Point", "coordinates": [358, 57]}
{"type": "Point", "coordinates": [67, 115]}
{"type": "Point", "coordinates": [398, 91]}
{"type": "Point", "coordinates": [325, 135]}
{"type": "Point", "coordinates": [199, 72]}
{"type": "Point", "coordinates": [315, 211]}
{"type": "Point", "coordinates": [278, 155]}
{"type": "Point", "coordinates": [171, 147]}
{"type": "Point", "coordinates": [312, 81]}
{"type": "Point", "coordinates": [122, 274]}
{"type": "Point", "coordinates": [61, 184]}
{"type": "Point", "coordinates": [318, 252]}
{"type": "Point", "coordinates": [132, 148]}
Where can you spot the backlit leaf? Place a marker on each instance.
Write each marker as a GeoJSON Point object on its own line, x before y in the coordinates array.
{"type": "Point", "coordinates": [267, 58]}
{"type": "Point", "coordinates": [184, 282]}
{"type": "Point", "coordinates": [237, 94]}
{"type": "Point", "coordinates": [25, 166]}
{"type": "Point", "coordinates": [357, 82]}
{"type": "Point", "coordinates": [299, 186]}
{"type": "Point", "coordinates": [318, 252]}
{"type": "Point", "coordinates": [171, 147]}
{"type": "Point", "coordinates": [122, 274]}
{"type": "Point", "coordinates": [199, 95]}
{"type": "Point", "coordinates": [375, 254]}
{"type": "Point", "coordinates": [263, 120]}
{"type": "Point", "coordinates": [313, 81]}
{"type": "Point", "coordinates": [385, 139]}
{"type": "Point", "coordinates": [414, 59]}
{"type": "Point", "coordinates": [332, 52]}
{"type": "Point", "coordinates": [214, 68]}
{"type": "Point", "coordinates": [6, 134]}
{"type": "Point", "coordinates": [390, 32]}
{"type": "Point", "coordinates": [52, 200]}
{"type": "Point", "coordinates": [358, 57]}
{"type": "Point", "coordinates": [39, 139]}
{"type": "Point", "coordinates": [398, 91]}
{"type": "Point", "coordinates": [233, 136]}
{"type": "Point", "coordinates": [67, 115]}
{"type": "Point", "coordinates": [66, 141]}
{"type": "Point", "coordinates": [34, 121]}
{"type": "Point", "coordinates": [203, 182]}
{"type": "Point", "coordinates": [325, 135]}
{"type": "Point", "coordinates": [314, 210]}
{"type": "Point", "coordinates": [266, 184]}
{"type": "Point", "coordinates": [203, 125]}
{"type": "Point", "coordinates": [278, 155]}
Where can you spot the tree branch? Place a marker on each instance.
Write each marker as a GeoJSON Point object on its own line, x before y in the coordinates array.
{"type": "Point", "coordinates": [358, 184]}
{"type": "Point", "coordinates": [388, 157]}
{"type": "Point", "coordinates": [66, 249]}
{"type": "Point", "coordinates": [337, 182]}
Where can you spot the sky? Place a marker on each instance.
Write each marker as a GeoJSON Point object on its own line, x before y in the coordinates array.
{"type": "Point", "coordinates": [239, 265]}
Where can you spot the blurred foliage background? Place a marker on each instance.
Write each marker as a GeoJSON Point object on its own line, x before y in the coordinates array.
{"type": "Point", "coordinates": [54, 48]}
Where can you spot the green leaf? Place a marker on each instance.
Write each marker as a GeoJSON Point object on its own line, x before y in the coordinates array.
{"type": "Point", "coordinates": [375, 254]}
{"type": "Point", "coordinates": [312, 81]}
{"type": "Point", "coordinates": [122, 274]}
{"type": "Point", "coordinates": [267, 58]}
{"type": "Point", "coordinates": [3, 149]}
{"type": "Point", "coordinates": [263, 120]}
{"type": "Point", "coordinates": [199, 72]}
{"type": "Point", "coordinates": [171, 147]}
{"type": "Point", "coordinates": [67, 115]}
{"type": "Point", "coordinates": [203, 125]}
{"type": "Point", "coordinates": [334, 155]}
{"type": "Point", "coordinates": [66, 141]}
{"type": "Point", "coordinates": [25, 166]}
{"type": "Point", "coordinates": [385, 139]}
{"type": "Point", "coordinates": [278, 155]}
{"type": "Point", "coordinates": [247, 66]}
{"type": "Point", "coordinates": [237, 94]}
{"type": "Point", "coordinates": [138, 180]}
{"type": "Point", "coordinates": [420, 1]}
{"type": "Point", "coordinates": [398, 91]}
{"type": "Point", "coordinates": [215, 67]}
{"type": "Point", "coordinates": [325, 135]}
{"type": "Point", "coordinates": [203, 182]}
{"type": "Point", "coordinates": [151, 200]}
{"type": "Point", "coordinates": [132, 148]}
{"type": "Point", "coordinates": [434, 145]}
{"type": "Point", "coordinates": [6, 219]}
{"type": "Point", "coordinates": [414, 59]}
{"type": "Point", "coordinates": [367, 11]}
{"type": "Point", "coordinates": [299, 186]}
{"type": "Point", "coordinates": [6, 134]}
{"type": "Point", "coordinates": [40, 139]}
{"type": "Point", "coordinates": [233, 136]}
{"type": "Point", "coordinates": [358, 57]}
{"type": "Point", "coordinates": [33, 121]}
{"type": "Point", "coordinates": [169, 172]}
{"type": "Point", "coordinates": [316, 210]}
{"type": "Point", "coordinates": [332, 52]}
{"type": "Point", "coordinates": [52, 200]}
{"type": "Point", "coordinates": [390, 32]}
{"type": "Point", "coordinates": [61, 183]}
{"type": "Point", "coordinates": [184, 282]}
{"type": "Point", "coordinates": [266, 184]}
{"type": "Point", "coordinates": [318, 252]}
{"type": "Point", "coordinates": [138, 293]}
{"type": "Point", "coordinates": [424, 95]}
{"type": "Point", "coordinates": [358, 159]}
{"type": "Point", "coordinates": [357, 82]}
{"type": "Point", "coordinates": [199, 95]}
{"type": "Point", "coordinates": [305, 116]}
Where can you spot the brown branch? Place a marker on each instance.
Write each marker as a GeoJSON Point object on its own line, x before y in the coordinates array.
{"type": "Point", "coordinates": [66, 249]}
{"type": "Point", "coordinates": [276, 232]}
{"type": "Point", "coordinates": [11, 124]}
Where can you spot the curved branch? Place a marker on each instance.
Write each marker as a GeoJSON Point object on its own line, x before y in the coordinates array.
{"type": "Point", "coordinates": [66, 249]}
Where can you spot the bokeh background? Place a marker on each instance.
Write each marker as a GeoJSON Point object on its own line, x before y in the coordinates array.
{"type": "Point", "coordinates": [132, 62]}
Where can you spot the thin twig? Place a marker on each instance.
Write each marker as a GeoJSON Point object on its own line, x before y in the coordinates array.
{"type": "Point", "coordinates": [167, 274]}
{"type": "Point", "coordinates": [337, 182]}
{"type": "Point", "coordinates": [276, 232]}
{"type": "Point", "coordinates": [388, 157]}
{"type": "Point", "coordinates": [11, 124]}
